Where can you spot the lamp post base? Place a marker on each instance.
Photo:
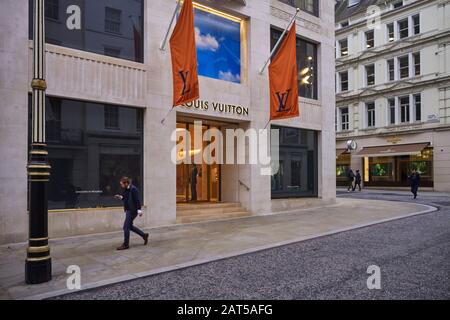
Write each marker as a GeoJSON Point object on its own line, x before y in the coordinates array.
{"type": "Point", "coordinates": [38, 271]}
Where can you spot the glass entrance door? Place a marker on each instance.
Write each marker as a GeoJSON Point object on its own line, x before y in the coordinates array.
{"type": "Point", "coordinates": [201, 181]}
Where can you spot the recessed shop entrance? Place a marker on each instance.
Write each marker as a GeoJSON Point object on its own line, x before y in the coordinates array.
{"type": "Point", "coordinates": [197, 181]}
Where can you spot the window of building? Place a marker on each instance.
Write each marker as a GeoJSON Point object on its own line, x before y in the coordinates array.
{"type": "Point", "coordinates": [218, 44]}
{"type": "Point", "coordinates": [391, 111]}
{"type": "Point", "coordinates": [394, 170]}
{"type": "Point", "coordinates": [416, 59]}
{"type": "Point", "coordinates": [87, 160]}
{"type": "Point", "coordinates": [343, 47]}
{"type": "Point", "coordinates": [370, 74]}
{"type": "Point", "coordinates": [417, 107]}
{"type": "Point", "coordinates": [345, 24]}
{"type": "Point", "coordinates": [345, 119]}
{"type": "Point", "coordinates": [310, 6]}
{"type": "Point", "coordinates": [397, 4]}
{"type": "Point", "coordinates": [112, 52]}
{"type": "Point", "coordinates": [52, 9]}
{"type": "Point", "coordinates": [306, 64]}
{"type": "Point", "coordinates": [403, 63]}
{"type": "Point", "coordinates": [416, 24]}
{"type": "Point", "coordinates": [352, 3]}
{"type": "Point", "coordinates": [404, 109]}
{"type": "Point", "coordinates": [111, 116]}
{"type": "Point", "coordinates": [139, 120]}
{"type": "Point", "coordinates": [370, 113]}
{"type": "Point", "coordinates": [112, 20]}
{"type": "Point", "coordinates": [391, 69]}
{"type": "Point", "coordinates": [370, 39]}
{"type": "Point", "coordinates": [298, 164]}
{"type": "Point", "coordinates": [390, 32]}
{"type": "Point", "coordinates": [403, 30]}
{"type": "Point", "coordinates": [119, 27]}
{"type": "Point", "coordinates": [343, 79]}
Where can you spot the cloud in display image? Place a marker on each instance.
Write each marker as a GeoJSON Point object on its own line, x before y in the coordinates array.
{"type": "Point", "coordinates": [218, 43]}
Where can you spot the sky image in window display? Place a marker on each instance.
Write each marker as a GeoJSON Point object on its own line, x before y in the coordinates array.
{"type": "Point", "coordinates": [218, 42]}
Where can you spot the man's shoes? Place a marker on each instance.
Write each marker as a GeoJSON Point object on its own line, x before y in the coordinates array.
{"type": "Point", "coordinates": [123, 247]}
{"type": "Point", "coordinates": [145, 239]}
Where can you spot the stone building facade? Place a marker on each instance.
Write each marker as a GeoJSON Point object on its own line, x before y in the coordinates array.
{"type": "Point", "coordinates": [110, 87]}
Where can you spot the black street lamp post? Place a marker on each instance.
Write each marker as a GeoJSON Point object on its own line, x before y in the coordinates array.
{"type": "Point", "coordinates": [38, 265]}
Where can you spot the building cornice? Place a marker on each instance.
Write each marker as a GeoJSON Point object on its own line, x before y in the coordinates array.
{"type": "Point", "coordinates": [394, 132]}
{"type": "Point", "coordinates": [395, 87]}
{"type": "Point", "coordinates": [385, 15]}
{"type": "Point", "coordinates": [438, 36]}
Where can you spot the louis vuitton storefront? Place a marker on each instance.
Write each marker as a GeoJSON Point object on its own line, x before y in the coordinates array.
{"type": "Point", "coordinates": [107, 112]}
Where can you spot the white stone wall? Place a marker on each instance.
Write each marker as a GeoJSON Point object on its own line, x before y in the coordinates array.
{"type": "Point", "coordinates": [91, 77]}
{"type": "Point", "coordinates": [433, 82]}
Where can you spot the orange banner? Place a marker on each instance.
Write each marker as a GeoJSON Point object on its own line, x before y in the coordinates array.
{"type": "Point", "coordinates": [283, 79]}
{"type": "Point", "coordinates": [184, 57]}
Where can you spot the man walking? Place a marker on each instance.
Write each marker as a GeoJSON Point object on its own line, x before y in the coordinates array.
{"type": "Point", "coordinates": [132, 207]}
{"type": "Point", "coordinates": [357, 180]}
{"type": "Point", "coordinates": [350, 178]}
{"type": "Point", "coordinates": [414, 180]}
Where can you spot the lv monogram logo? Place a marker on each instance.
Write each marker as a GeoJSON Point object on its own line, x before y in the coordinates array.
{"type": "Point", "coordinates": [282, 101]}
{"type": "Point", "coordinates": [184, 76]}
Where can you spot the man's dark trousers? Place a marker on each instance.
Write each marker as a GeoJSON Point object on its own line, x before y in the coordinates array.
{"type": "Point", "coordinates": [128, 226]}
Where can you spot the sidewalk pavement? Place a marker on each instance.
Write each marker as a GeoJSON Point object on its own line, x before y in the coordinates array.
{"type": "Point", "coordinates": [180, 246]}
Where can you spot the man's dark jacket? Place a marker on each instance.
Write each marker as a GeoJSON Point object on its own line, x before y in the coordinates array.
{"type": "Point", "coordinates": [414, 180]}
{"type": "Point", "coordinates": [131, 199]}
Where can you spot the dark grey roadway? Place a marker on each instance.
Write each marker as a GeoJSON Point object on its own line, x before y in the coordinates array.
{"type": "Point", "coordinates": [413, 255]}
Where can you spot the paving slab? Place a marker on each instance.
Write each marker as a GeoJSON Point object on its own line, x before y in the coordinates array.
{"type": "Point", "coordinates": [181, 246]}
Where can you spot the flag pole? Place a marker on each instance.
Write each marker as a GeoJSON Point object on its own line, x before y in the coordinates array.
{"type": "Point", "coordinates": [279, 41]}
{"type": "Point", "coordinates": [162, 47]}
{"type": "Point", "coordinates": [168, 113]}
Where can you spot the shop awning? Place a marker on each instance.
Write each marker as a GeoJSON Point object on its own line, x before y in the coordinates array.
{"type": "Point", "coordinates": [340, 151]}
{"type": "Point", "coordinates": [393, 150]}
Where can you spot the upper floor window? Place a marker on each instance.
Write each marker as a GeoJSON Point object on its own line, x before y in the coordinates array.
{"type": "Point", "coordinates": [391, 70]}
{"type": "Point", "coordinates": [404, 109]}
{"type": "Point", "coordinates": [306, 64]}
{"type": "Point", "coordinates": [416, 24]}
{"type": "Point", "coordinates": [118, 27]}
{"type": "Point", "coordinates": [417, 107]}
{"type": "Point", "coordinates": [403, 64]}
{"type": "Point", "coordinates": [352, 3]}
{"type": "Point", "coordinates": [416, 61]}
{"type": "Point", "coordinates": [370, 74]}
{"type": "Point", "coordinates": [390, 32]}
{"type": "Point", "coordinates": [370, 39]}
{"type": "Point", "coordinates": [370, 114]}
{"type": "Point", "coordinates": [218, 42]}
{"type": "Point", "coordinates": [345, 24]}
{"type": "Point", "coordinates": [52, 9]}
{"type": "Point", "coordinates": [344, 119]}
{"type": "Point", "coordinates": [112, 20]}
{"type": "Point", "coordinates": [111, 116]}
{"type": "Point", "coordinates": [310, 6]}
{"type": "Point", "coordinates": [397, 4]}
{"type": "Point", "coordinates": [343, 47]}
{"type": "Point", "coordinates": [112, 52]}
{"type": "Point", "coordinates": [391, 111]}
{"type": "Point", "coordinates": [343, 81]}
{"type": "Point", "coordinates": [403, 28]}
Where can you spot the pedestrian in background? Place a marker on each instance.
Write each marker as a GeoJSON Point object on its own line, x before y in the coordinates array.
{"type": "Point", "coordinates": [357, 180]}
{"type": "Point", "coordinates": [132, 207]}
{"type": "Point", "coordinates": [350, 179]}
{"type": "Point", "coordinates": [414, 180]}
